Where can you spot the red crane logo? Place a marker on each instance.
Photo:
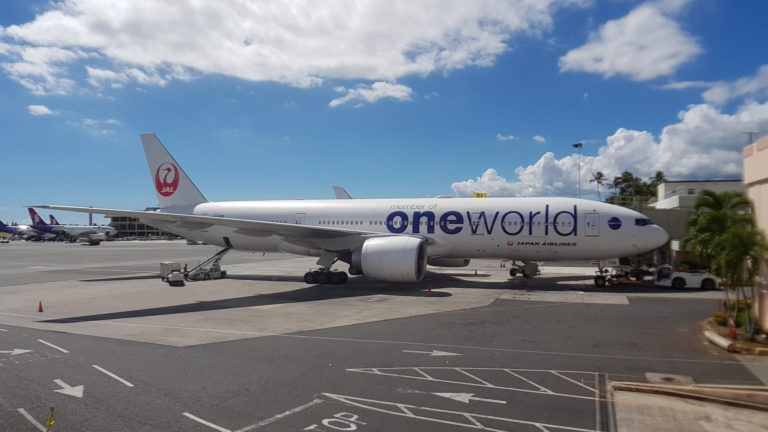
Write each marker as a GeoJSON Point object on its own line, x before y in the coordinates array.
{"type": "Point", "coordinates": [167, 179]}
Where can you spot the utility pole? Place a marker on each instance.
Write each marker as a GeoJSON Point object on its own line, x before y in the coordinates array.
{"type": "Point", "coordinates": [579, 146]}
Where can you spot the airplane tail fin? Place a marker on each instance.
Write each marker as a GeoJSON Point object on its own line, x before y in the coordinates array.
{"type": "Point", "coordinates": [54, 221]}
{"type": "Point", "coordinates": [172, 185]}
{"type": "Point", "coordinates": [36, 219]}
{"type": "Point", "coordinates": [2, 225]}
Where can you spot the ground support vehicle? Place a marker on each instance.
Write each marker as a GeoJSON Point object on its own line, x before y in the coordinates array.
{"type": "Point", "coordinates": [171, 272]}
{"type": "Point", "coordinates": [670, 276]}
{"type": "Point", "coordinates": [208, 269]}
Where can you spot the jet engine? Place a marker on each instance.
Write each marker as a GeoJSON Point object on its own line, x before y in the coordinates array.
{"type": "Point", "coordinates": [392, 259]}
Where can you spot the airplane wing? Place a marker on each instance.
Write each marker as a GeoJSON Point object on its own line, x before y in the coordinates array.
{"type": "Point", "coordinates": [296, 234]}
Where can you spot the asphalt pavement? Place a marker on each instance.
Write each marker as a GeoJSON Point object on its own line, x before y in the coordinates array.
{"type": "Point", "coordinates": [264, 351]}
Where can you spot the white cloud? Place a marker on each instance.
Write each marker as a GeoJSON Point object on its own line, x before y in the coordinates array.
{"type": "Point", "coordinates": [704, 144]}
{"type": "Point", "coordinates": [643, 45]}
{"type": "Point", "coordinates": [98, 128]}
{"type": "Point", "coordinates": [752, 86]}
{"type": "Point", "coordinates": [299, 43]}
{"type": "Point", "coordinates": [376, 91]}
{"type": "Point", "coordinates": [540, 139]}
{"type": "Point", "coordinates": [501, 137]}
{"type": "Point", "coordinates": [40, 110]}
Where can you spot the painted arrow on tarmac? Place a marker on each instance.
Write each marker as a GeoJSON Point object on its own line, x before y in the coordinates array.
{"type": "Point", "coordinates": [67, 389]}
{"type": "Point", "coordinates": [434, 353]}
{"type": "Point", "coordinates": [466, 397]}
{"type": "Point", "coordinates": [16, 351]}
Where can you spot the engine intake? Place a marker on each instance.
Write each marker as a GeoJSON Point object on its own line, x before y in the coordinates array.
{"type": "Point", "coordinates": [393, 259]}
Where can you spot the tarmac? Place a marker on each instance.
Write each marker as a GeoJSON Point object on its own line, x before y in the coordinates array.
{"type": "Point", "coordinates": [125, 306]}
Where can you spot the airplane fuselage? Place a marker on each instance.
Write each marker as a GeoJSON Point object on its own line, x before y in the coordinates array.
{"type": "Point", "coordinates": [511, 228]}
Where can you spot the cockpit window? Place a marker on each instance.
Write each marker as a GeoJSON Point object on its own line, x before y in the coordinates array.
{"type": "Point", "coordinates": [643, 222]}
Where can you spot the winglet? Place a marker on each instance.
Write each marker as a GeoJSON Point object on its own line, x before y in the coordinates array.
{"type": "Point", "coordinates": [172, 185]}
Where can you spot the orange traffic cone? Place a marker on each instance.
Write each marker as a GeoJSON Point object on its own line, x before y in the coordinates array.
{"type": "Point", "coordinates": [40, 307]}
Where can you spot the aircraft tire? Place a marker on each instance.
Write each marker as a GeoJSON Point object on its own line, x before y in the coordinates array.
{"type": "Point", "coordinates": [322, 277]}
{"type": "Point", "coordinates": [513, 272]}
{"type": "Point", "coordinates": [338, 278]}
{"type": "Point", "coordinates": [599, 281]}
{"type": "Point", "coordinates": [309, 277]}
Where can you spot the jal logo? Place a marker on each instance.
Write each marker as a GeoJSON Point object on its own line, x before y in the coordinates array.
{"type": "Point", "coordinates": [166, 179]}
{"type": "Point", "coordinates": [614, 223]}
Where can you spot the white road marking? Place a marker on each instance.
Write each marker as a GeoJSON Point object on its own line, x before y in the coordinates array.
{"type": "Point", "coordinates": [279, 416]}
{"type": "Point", "coordinates": [544, 389]}
{"type": "Point", "coordinates": [475, 420]}
{"type": "Point", "coordinates": [31, 419]}
{"type": "Point", "coordinates": [3, 330]}
{"type": "Point", "coordinates": [433, 353]}
{"type": "Point", "coordinates": [76, 391]}
{"type": "Point", "coordinates": [575, 382]}
{"type": "Point", "coordinates": [16, 351]}
{"type": "Point", "coordinates": [53, 346]}
{"type": "Point", "coordinates": [475, 381]}
{"type": "Point", "coordinates": [485, 383]}
{"type": "Point", "coordinates": [207, 423]}
{"type": "Point", "coordinates": [106, 372]}
{"type": "Point", "coordinates": [466, 397]}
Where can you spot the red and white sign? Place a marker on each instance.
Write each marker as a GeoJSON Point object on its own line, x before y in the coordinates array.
{"type": "Point", "coordinates": [167, 179]}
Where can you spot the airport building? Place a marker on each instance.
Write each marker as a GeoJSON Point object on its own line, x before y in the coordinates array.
{"type": "Point", "coordinates": [132, 227]}
{"type": "Point", "coordinates": [756, 183]}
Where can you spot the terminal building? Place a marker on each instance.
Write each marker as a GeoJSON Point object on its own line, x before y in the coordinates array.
{"type": "Point", "coordinates": [756, 183]}
{"type": "Point", "coordinates": [128, 227]}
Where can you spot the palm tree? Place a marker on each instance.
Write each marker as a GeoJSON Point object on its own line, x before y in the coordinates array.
{"type": "Point", "coordinates": [599, 179]}
{"type": "Point", "coordinates": [723, 232]}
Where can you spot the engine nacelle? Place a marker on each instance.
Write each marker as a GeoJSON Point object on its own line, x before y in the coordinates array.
{"type": "Point", "coordinates": [393, 259]}
{"type": "Point", "coordinates": [448, 262]}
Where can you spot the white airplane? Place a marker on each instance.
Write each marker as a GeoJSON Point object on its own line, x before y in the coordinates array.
{"type": "Point", "coordinates": [392, 239]}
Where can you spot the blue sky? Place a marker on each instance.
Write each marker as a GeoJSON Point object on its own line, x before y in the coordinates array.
{"type": "Point", "coordinates": [388, 99]}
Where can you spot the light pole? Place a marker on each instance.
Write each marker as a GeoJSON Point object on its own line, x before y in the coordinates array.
{"type": "Point", "coordinates": [578, 146]}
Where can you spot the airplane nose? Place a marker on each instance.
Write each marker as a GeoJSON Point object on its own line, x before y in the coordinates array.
{"type": "Point", "coordinates": [659, 236]}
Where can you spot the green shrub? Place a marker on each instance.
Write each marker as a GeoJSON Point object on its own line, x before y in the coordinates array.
{"type": "Point", "coordinates": [721, 318]}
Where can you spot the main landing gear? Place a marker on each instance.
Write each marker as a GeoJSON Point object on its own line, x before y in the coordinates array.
{"type": "Point", "coordinates": [527, 269]}
{"type": "Point", "coordinates": [326, 276]}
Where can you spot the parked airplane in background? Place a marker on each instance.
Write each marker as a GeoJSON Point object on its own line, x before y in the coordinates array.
{"type": "Point", "coordinates": [95, 234]}
{"type": "Point", "coordinates": [392, 239]}
{"type": "Point", "coordinates": [23, 231]}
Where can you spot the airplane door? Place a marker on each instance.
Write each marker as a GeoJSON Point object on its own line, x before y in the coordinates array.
{"type": "Point", "coordinates": [298, 219]}
{"type": "Point", "coordinates": [592, 224]}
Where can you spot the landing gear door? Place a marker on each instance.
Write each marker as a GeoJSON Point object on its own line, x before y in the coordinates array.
{"type": "Point", "coordinates": [592, 224]}
{"type": "Point", "coordinates": [298, 219]}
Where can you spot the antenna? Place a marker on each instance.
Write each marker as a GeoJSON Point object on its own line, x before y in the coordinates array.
{"type": "Point", "coordinates": [752, 136]}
